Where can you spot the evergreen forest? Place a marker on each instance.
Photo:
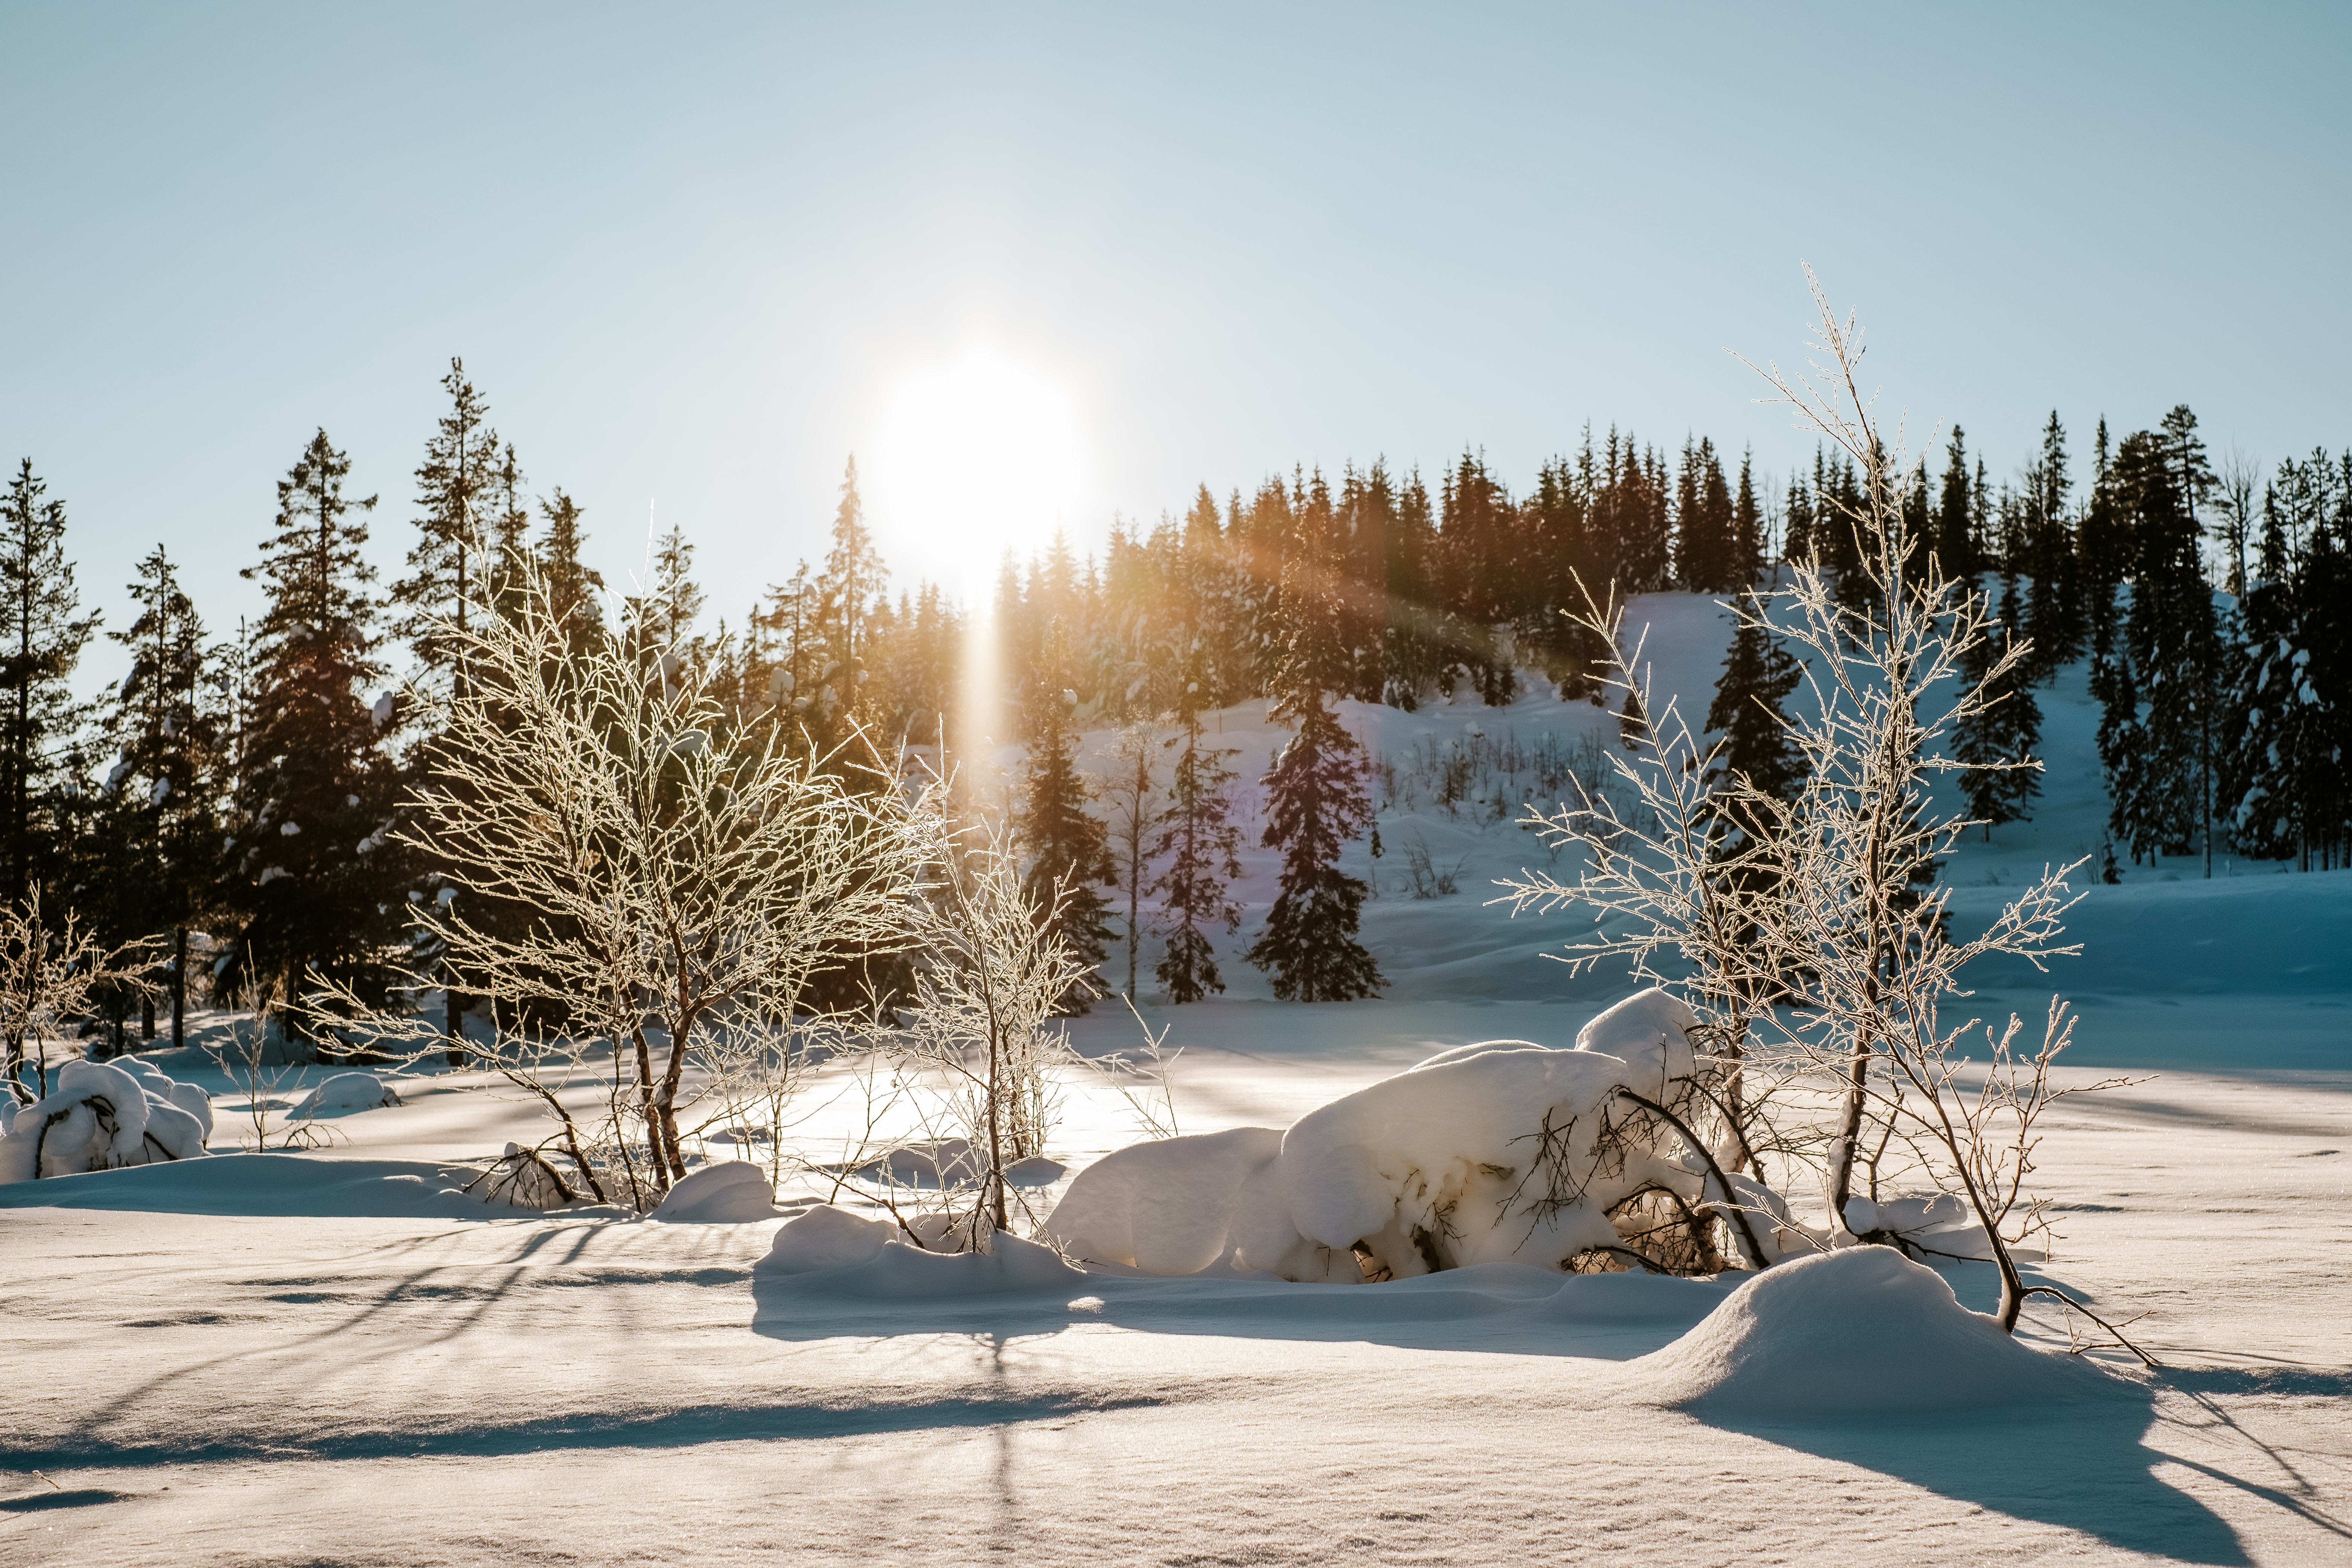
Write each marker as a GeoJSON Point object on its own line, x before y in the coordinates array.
{"type": "Point", "coordinates": [239, 798]}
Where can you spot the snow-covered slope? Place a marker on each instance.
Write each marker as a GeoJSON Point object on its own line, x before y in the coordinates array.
{"type": "Point", "coordinates": [336, 1357]}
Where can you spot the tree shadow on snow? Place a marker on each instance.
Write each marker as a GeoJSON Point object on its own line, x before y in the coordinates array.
{"type": "Point", "coordinates": [2080, 1465]}
{"type": "Point", "coordinates": [1501, 1308]}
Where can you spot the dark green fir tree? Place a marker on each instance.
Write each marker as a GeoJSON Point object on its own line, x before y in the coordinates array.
{"type": "Point", "coordinates": [1317, 803]}
{"type": "Point", "coordinates": [313, 875]}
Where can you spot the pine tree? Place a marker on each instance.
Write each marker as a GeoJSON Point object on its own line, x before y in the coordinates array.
{"type": "Point", "coordinates": [41, 645]}
{"type": "Point", "coordinates": [1995, 746]}
{"type": "Point", "coordinates": [1315, 802]}
{"type": "Point", "coordinates": [1131, 799]}
{"type": "Point", "coordinates": [160, 801]}
{"type": "Point", "coordinates": [1759, 674]}
{"type": "Point", "coordinates": [1954, 535]}
{"type": "Point", "coordinates": [573, 587]}
{"type": "Point", "coordinates": [1747, 529]}
{"type": "Point", "coordinates": [310, 870]}
{"type": "Point", "coordinates": [450, 565]}
{"type": "Point", "coordinates": [2053, 619]}
{"type": "Point", "coordinates": [2172, 639]}
{"type": "Point", "coordinates": [1068, 851]}
{"type": "Point", "coordinates": [1196, 847]}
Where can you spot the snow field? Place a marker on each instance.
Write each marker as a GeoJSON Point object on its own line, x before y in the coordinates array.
{"type": "Point", "coordinates": [335, 1356]}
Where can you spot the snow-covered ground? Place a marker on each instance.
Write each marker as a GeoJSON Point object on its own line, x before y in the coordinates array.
{"type": "Point", "coordinates": [328, 1358]}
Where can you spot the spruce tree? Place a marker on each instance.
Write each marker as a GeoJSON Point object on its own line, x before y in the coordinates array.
{"type": "Point", "coordinates": [2123, 755]}
{"type": "Point", "coordinates": [848, 591]}
{"type": "Point", "coordinates": [41, 645]}
{"type": "Point", "coordinates": [571, 586]}
{"type": "Point", "coordinates": [1197, 851]}
{"type": "Point", "coordinates": [1759, 674]}
{"type": "Point", "coordinates": [1747, 529]}
{"type": "Point", "coordinates": [311, 871]}
{"type": "Point", "coordinates": [2172, 640]}
{"type": "Point", "coordinates": [1131, 800]}
{"type": "Point", "coordinates": [450, 568]}
{"type": "Point", "coordinates": [1995, 746]}
{"type": "Point", "coordinates": [1954, 534]}
{"type": "Point", "coordinates": [1068, 851]}
{"type": "Point", "coordinates": [1315, 802]}
{"type": "Point", "coordinates": [160, 801]}
{"type": "Point", "coordinates": [2053, 619]}
{"type": "Point", "coordinates": [2288, 724]}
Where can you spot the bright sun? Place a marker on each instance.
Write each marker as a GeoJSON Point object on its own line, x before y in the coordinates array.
{"type": "Point", "coordinates": [972, 457]}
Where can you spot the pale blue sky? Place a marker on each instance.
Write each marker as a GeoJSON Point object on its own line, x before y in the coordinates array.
{"type": "Point", "coordinates": [692, 252]}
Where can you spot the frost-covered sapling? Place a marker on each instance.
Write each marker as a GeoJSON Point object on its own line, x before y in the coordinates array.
{"type": "Point", "coordinates": [1674, 873]}
{"type": "Point", "coordinates": [992, 972]}
{"type": "Point", "coordinates": [681, 870]}
{"type": "Point", "coordinates": [48, 974]}
{"type": "Point", "coordinates": [1810, 935]}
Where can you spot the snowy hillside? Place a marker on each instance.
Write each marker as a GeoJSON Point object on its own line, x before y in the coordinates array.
{"type": "Point", "coordinates": [341, 1355]}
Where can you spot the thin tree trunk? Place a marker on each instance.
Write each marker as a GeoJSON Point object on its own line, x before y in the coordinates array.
{"type": "Point", "coordinates": [179, 987]}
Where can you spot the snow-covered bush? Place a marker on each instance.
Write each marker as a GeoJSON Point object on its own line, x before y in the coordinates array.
{"type": "Point", "coordinates": [99, 1117]}
{"type": "Point", "coordinates": [1501, 1152]}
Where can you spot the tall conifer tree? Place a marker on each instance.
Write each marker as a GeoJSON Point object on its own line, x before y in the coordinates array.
{"type": "Point", "coordinates": [311, 871]}
{"type": "Point", "coordinates": [41, 645]}
{"type": "Point", "coordinates": [1069, 852]}
{"type": "Point", "coordinates": [1315, 802]}
{"type": "Point", "coordinates": [161, 805]}
{"type": "Point", "coordinates": [450, 566]}
{"type": "Point", "coordinates": [1196, 849]}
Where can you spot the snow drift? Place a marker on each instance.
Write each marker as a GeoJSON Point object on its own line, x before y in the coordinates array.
{"type": "Point", "coordinates": [101, 1117]}
{"type": "Point", "coordinates": [731, 1193]}
{"type": "Point", "coordinates": [344, 1091]}
{"type": "Point", "coordinates": [844, 1255]}
{"type": "Point", "coordinates": [1858, 1331]}
{"type": "Point", "coordinates": [1502, 1152]}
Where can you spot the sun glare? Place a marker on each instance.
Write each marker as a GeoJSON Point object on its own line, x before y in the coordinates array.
{"type": "Point", "coordinates": [973, 457]}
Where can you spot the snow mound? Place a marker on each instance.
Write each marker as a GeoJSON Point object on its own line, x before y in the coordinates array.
{"type": "Point", "coordinates": [1502, 1152]}
{"type": "Point", "coordinates": [99, 1117]}
{"type": "Point", "coordinates": [1192, 1205]}
{"type": "Point", "coordinates": [847, 1256]}
{"type": "Point", "coordinates": [1649, 1033]}
{"type": "Point", "coordinates": [730, 1194]}
{"type": "Point", "coordinates": [825, 1237]}
{"type": "Point", "coordinates": [277, 1185]}
{"type": "Point", "coordinates": [1863, 1330]}
{"type": "Point", "coordinates": [344, 1091]}
{"type": "Point", "coordinates": [901, 1272]}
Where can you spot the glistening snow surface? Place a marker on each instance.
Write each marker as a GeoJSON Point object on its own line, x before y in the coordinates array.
{"type": "Point", "coordinates": [336, 1357]}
